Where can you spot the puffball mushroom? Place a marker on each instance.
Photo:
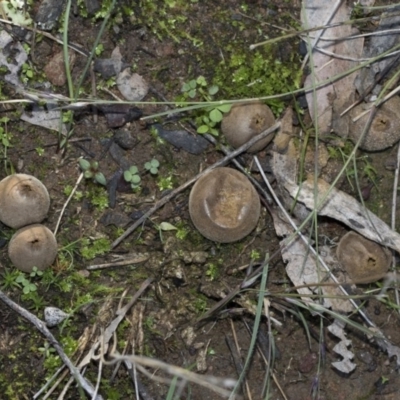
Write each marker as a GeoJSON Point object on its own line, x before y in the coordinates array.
{"type": "Point", "coordinates": [224, 206]}
{"type": "Point", "coordinates": [364, 260]}
{"type": "Point", "coordinates": [246, 120]}
{"type": "Point", "coordinates": [24, 200]}
{"type": "Point", "coordinates": [32, 246]}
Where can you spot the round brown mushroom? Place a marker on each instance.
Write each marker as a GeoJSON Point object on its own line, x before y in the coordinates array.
{"type": "Point", "coordinates": [224, 206]}
{"type": "Point", "coordinates": [32, 246]}
{"type": "Point", "coordinates": [246, 120]}
{"type": "Point", "coordinates": [24, 200]}
{"type": "Point", "coordinates": [384, 131]}
{"type": "Point", "coordinates": [364, 260]}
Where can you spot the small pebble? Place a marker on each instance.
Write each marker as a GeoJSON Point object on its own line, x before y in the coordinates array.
{"type": "Point", "coordinates": [53, 316]}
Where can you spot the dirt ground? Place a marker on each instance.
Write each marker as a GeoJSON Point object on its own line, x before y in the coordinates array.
{"type": "Point", "coordinates": [170, 43]}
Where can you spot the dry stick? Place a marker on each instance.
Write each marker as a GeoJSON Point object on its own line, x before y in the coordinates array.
{"type": "Point", "coordinates": [181, 188]}
{"type": "Point", "coordinates": [135, 260]}
{"type": "Point", "coordinates": [66, 203]}
{"type": "Point", "coordinates": [393, 222]}
{"type": "Point", "coordinates": [41, 327]}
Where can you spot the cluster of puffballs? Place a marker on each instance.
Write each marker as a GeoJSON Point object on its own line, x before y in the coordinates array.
{"type": "Point", "coordinates": [24, 203]}
{"type": "Point", "coordinates": [223, 204]}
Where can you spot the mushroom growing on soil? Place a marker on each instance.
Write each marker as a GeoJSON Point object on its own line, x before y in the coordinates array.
{"type": "Point", "coordinates": [384, 131]}
{"type": "Point", "coordinates": [24, 200]}
{"type": "Point", "coordinates": [32, 246]}
{"type": "Point", "coordinates": [224, 206]}
{"type": "Point", "coordinates": [364, 261]}
{"type": "Point", "coordinates": [246, 120]}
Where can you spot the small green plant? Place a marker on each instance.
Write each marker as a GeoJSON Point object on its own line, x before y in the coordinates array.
{"type": "Point", "coordinates": [5, 141]}
{"type": "Point", "coordinates": [78, 195]}
{"type": "Point", "coordinates": [91, 171]}
{"type": "Point", "coordinates": [98, 197]}
{"type": "Point", "coordinates": [27, 73]}
{"type": "Point", "coordinates": [132, 176]}
{"type": "Point", "coordinates": [255, 255]}
{"type": "Point", "coordinates": [165, 183]}
{"type": "Point", "coordinates": [209, 117]}
{"type": "Point", "coordinates": [164, 227]}
{"type": "Point", "coordinates": [212, 271]}
{"type": "Point", "coordinates": [152, 166]}
{"type": "Point", "coordinates": [181, 232]}
{"type": "Point", "coordinates": [91, 249]}
{"type": "Point", "coordinates": [9, 279]}
{"type": "Point", "coordinates": [39, 151]}
{"type": "Point", "coordinates": [25, 282]}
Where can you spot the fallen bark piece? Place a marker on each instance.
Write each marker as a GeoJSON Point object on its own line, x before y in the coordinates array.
{"type": "Point", "coordinates": [336, 204]}
{"type": "Point", "coordinates": [327, 102]}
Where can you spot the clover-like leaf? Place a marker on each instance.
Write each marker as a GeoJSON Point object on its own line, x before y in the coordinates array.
{"type": "Point", "coordinates": [135, 179]}
{"type": "Point", "coordinates": [216, 115]}
{"type": "Point", "coordinates": [88, 174]}
{"type": "Point", "coordinates": [100, 178]}
{"type": "Point", "coordinates": [127, 176]}
{"type": "Point", "coordinates": [203, 129]}
{"type": "Point", "coordinates": [213, 90]}
{"type": "Point", "coordinates": [225, 108]}
{"type": "Point", "coordinates": [133, 169]}
{"type": "Point", "coordinates": [155, 163]}
{"type": "Point", "coordinates": [84, 164]}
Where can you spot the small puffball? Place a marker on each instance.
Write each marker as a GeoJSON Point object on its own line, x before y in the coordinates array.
{"type": "Point", "coordinates": [246, 120]}
{"type": "Point", "coordinates": [384, 131]}
{"type": "Point", "coordinates": [364, 260]}
{"type": "Point", "coordinates": [24, 200]}
{"type": "Point", "coordinates": [32, 246]}
{"type": "Point", "coordinates": [224, 206]}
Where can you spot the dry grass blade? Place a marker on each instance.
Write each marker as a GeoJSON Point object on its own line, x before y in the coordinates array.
{"type": "Point", "coordinates": [41, 327]}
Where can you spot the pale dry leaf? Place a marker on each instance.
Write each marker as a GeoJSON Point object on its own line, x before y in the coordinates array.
{"type": "Point", "coordinates": [342, 348]}
{"type": "Point", "coordinates": [345, 208]}
{"type": "Point", "coordinates": [332, 99]}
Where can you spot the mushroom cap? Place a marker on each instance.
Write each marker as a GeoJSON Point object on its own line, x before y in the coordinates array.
{"type": "Point", "coordinates": [32, 246]}
{"type": "Point", "coordinates": [384, 131]}
{"type": "Point", "coordinates": [224, 206]}
{"type": "Point", "coordinates": [364, 260]}
{"type": "Point", "coordinates": [24, 200]}
{"type": "Point", "coordinates": [246, 120]}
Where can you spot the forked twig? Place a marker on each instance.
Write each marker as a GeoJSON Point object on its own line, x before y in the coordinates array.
{"type": "Point", "coordinates": [41, 327]}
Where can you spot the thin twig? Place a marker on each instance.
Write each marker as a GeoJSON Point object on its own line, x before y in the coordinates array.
{"type": "Point", "coordinates": [66, 203]}
{"type": "Point", "coordinates": [41, 327]}
{"type": "Point", "coordinates": [181, 188]}
{"type": "Point", "coordinates": [136, 260]}
{"type": "Point", "coordinates": [393, 221]}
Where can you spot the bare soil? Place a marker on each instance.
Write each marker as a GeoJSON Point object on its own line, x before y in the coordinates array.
{"type": "Point", "coordinates": [190, 273]}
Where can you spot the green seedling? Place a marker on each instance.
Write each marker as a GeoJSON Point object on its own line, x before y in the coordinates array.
{"type": "Point", "coordinates": [152, 166]}
{"type": "Point", "coordinates": [5, 142]}
{"type": "Point", "coordinates": [209, 117]}
{"type": "Point", "coordinates": [164, 227]}
{"type": "Point", "coordinates": [27, 285]}
{"type": "Point", "coordinates": [165, 183]}
{"type": "Point", "coordinates": [9, 279]}
{"type": "Point", "coordinates": [91, 171]}
{"type": "Point", "coordinates": [132, 176]}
